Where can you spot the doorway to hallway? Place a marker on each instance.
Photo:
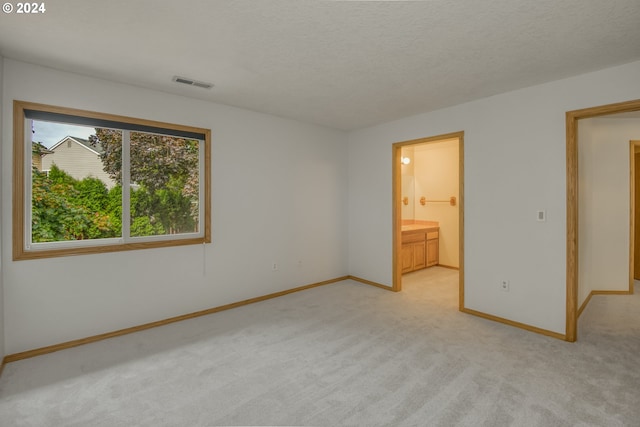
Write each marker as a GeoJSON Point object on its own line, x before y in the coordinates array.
{"type": "Point", "coordinates": [634, 203]}
{"type": "Point", "coordinates": [576, 299]}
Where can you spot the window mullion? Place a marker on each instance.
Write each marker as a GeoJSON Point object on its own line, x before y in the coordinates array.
{"type": "Point", "coordinates": [126, 185]}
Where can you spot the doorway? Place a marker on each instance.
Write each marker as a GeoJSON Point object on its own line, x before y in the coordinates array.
{"type": "Point", "coordinates": [405, 199]}
{"type": "Point", "coordinates": [572, 119]}
{"type": "Point", "coordinates": [634, 203]}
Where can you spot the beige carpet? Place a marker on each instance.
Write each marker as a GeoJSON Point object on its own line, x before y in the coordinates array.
{"type": "Point", "coordinates": [345, 354]}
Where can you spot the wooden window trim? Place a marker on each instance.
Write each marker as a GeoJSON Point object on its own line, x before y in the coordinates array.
{"type": "Point", "coordinates": [18, 228]}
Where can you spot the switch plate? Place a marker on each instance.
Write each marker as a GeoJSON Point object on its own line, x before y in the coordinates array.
{"type": "Point", "coordinates": [542, 216]}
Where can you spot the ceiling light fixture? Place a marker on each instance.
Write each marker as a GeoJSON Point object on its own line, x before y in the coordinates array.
{"type": "Point", "coordinates": [191, 82]}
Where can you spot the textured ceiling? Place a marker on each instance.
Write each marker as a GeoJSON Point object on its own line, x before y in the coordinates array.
{"type": "Point", "coordinates": [343, 64]}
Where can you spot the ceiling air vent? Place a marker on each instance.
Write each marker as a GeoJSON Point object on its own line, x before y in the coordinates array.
{"type": "Point", "coordinates": [192, 82]}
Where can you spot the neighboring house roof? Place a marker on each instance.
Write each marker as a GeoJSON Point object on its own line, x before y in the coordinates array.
{"type": "Point", "coordinates": [97, 148]}
{"type": "Point", "coordinates": [38, 148]}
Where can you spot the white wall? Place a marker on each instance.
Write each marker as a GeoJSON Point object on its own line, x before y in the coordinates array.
{"type": "Point", "coordinates": [279, 195]}
{"type": "Point", "coordinates": [604, 194]}
{"type": "Point", "coordinates": [436, 172]}
{"type": "Point", "coordinates": [586, 207]}
{"type": "Point", "coordinates": [2, 347]}
{"type": "Point", "coordinates": [514, 165]}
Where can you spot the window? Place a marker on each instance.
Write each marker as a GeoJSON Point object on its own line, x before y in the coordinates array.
{"type": "Point", "coordinates": [87, 182]}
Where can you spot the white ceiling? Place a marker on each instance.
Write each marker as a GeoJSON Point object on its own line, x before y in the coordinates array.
{"type": "Point", "coordinates": [343, 64]}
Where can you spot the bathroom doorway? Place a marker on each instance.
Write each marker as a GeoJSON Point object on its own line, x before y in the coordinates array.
{"type": "Point", "coordinates": [428, 200]}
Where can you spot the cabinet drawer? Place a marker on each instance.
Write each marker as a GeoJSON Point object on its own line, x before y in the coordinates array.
{"type": "Point", "coordinates": [412, 237]}
{"type": "Point", "coordinates": [432, 235]}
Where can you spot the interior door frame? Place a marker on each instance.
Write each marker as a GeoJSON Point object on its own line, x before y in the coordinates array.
{"type": "Point", "coordinates": [572, 117]}
{"type": "Point", "coordinates": [397, 208]}
{"type": "Point", "coordinates": [634, 149]}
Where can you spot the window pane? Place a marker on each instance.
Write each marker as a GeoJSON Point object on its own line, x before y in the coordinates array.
{"type": "Point", "coordinates": [73, 195]}
{"type": "Point", "coordinates": [164, 184]}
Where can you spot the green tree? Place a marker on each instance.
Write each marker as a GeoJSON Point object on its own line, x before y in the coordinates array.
{"type": "Point", "coordinates": [164, 170]}
{"type": "Point", "coordinates": [64, 208]}
{"type": "Point", "coordinates": [58, 176]}
{"type": "Point", "coordinates": [169, 211]}
{"type": "Point", "coordinates": [92, 194]}
{"type": "Point", "coordinates": [155, 159]}
{"type": "Point", "coordinates": [54, 217]}
{"type": "Point", "coordinates": [114, 208]}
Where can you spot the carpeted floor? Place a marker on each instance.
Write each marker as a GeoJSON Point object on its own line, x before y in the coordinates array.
{"type": "Point", "coordinates": [345, 354]}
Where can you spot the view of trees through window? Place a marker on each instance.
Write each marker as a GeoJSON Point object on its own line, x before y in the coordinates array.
{"type": "Point", "coordinates": [77, 184]}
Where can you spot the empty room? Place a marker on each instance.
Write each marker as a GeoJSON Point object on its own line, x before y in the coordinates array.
{"type": "Point", "coordinates": [283, 212]}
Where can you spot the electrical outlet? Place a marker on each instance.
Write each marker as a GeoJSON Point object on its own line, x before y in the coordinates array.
{"type": "Point", "coordinates": [504, 285]}
{"type": "Point", "coordinates": [274, 267]}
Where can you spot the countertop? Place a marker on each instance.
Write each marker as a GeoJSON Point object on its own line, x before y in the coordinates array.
{"type": "Point", "coordinates": [420, 226]}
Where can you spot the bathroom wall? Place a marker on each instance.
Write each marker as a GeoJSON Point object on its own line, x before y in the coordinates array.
{"type": "Point", "coordinates": [408, 185]}
{"type": "Point", "coordinates": [436, 178]}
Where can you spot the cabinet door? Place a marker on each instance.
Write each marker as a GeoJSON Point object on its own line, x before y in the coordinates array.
{"type": "Point", "coordinates": [407, 257]}
{"type": "Point", "coordinates": [432, 252]}
{"type": "Point", "coordinates": [419, 255]}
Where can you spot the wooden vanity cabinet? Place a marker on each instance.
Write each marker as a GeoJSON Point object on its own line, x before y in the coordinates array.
{"type": "Point", "coordinates": [419, 249]}
{"type": "Point", "coordinates": [433, 251]}
{"type": "Point", "coordinates": [414, 250]}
